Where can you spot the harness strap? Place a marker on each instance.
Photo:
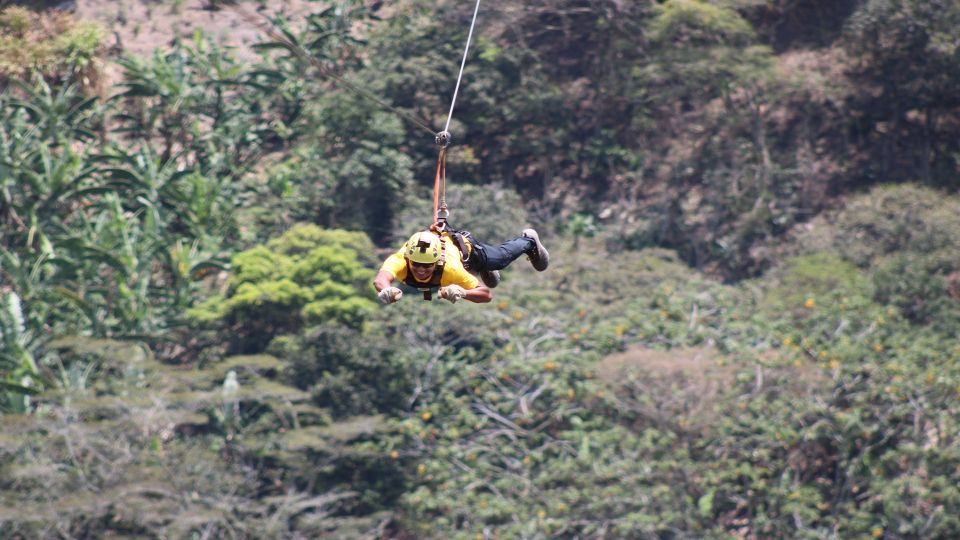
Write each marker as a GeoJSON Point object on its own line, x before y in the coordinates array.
{"type": "Point", "coordinates": [460, 239]}
{"type": "Point", "coordinates": [440, 211]}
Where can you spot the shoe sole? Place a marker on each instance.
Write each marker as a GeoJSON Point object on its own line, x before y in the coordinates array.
{"type": "Point", "coordinates": [541, 261]}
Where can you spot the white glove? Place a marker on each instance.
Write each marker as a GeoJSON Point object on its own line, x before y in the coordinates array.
{"type": "Point", "coordinates": [390, 295]}
{"type": "Point", "coordinates": [452, 293]}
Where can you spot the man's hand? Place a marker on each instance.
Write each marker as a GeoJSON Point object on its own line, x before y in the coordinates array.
{"type": "Point", "coordinates": [390, 295]}
{"type": "Point", "coordinates": [452, 293]}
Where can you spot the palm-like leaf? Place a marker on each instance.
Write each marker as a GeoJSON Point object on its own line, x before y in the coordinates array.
{"type": "Point", "coordinates": [60, 113]}
{"type": "Point", "coordinates": [49, 184]}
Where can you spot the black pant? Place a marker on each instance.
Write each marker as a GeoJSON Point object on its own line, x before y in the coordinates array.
{"type": "Point", "coordinates": [489, 257]}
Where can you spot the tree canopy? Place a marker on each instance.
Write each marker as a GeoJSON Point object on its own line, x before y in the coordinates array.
{"type": "Point", "coordinates": [748, 328]}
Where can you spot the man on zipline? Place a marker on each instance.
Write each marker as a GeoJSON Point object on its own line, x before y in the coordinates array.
{"type": "Point", "coordinates": [429, 260]}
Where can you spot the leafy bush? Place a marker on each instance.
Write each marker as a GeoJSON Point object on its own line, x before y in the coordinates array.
{"type": "Point", "coordinates": [917, 286]}
{"type": "Point", "coordinates": [346, 370]}
{"type": "Point", "coordinates": [54, 46]}
{"type": "Point", "coordinates": [801, 284]}
{"type": "Point", "coordinates": [897, 218]}
{"type": "Point", "coordinates": [126, 443]}
{"type": "Point", "coordinates": [906, 238]}
{"type": "Point", "coordinates": [308, 275]}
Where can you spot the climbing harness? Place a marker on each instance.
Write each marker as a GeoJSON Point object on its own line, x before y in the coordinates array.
{"type": "Point", "coordinates": [464, 243]}
{"type": "Point", "coordinates": [443, 140]}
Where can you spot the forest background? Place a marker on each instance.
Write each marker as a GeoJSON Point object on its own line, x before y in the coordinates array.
{"type": "Point", "coordinates": [748, 330]}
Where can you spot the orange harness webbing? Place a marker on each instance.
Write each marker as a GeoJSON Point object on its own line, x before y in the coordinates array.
{"type": "Point", "coordinates": [440, 211]}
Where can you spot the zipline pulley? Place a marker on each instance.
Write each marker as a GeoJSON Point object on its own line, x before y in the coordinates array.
{"type": "Point", "coordinates": [443, 138]}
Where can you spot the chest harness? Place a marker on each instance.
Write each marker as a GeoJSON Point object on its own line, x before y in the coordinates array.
{"type": "Point", "coordinates": [460, 239]}
{"type": "Point", "coordinates": [427, 287]}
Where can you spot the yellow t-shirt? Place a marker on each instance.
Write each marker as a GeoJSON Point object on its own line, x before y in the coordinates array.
{"type": "Point", "coordinates": [453, 271]}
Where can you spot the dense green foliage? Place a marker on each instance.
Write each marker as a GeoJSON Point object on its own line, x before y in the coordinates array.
{"type": "Point", "coordinates": [748, 330]}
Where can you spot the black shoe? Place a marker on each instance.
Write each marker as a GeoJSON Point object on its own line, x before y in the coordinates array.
{"type": "Point", "coordinates": [490, 278]}
{"type": "Point", "coordinates": [539, 257]}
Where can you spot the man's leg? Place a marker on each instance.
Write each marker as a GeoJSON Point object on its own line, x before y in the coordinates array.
{"type": "Point", "coordinates": [490, 257]}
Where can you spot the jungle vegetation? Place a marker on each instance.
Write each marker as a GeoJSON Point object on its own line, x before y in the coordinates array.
{"type": "Point", "coordinates": [749, 328]}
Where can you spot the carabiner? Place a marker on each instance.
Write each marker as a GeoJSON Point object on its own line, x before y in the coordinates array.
{"type": "Point", "coordinates": [443, 138]}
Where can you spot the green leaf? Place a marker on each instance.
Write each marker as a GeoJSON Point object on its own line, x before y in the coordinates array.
{"type": "Point", "coordinates": [705, 503]}
{"type": "Point", "coordinates": [19, 388]}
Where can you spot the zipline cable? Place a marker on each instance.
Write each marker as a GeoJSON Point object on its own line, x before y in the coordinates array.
{"type": "Point", "coordinates": [440, 211]}
{"type": "Point", "coordinates": [463, 62]}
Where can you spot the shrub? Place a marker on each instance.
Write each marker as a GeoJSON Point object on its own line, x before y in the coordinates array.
{"type": "Point", "coordinates": [53, 45]}
{"type": "Point", "coordinates": [917, 286]}
{"type": "Point", "coordinates": [308, 275]}
{"type": "Point", "coordinates": [897, 218]}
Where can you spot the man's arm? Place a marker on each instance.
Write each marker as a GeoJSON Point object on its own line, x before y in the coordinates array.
{"type": "Point", "coordinates": [383, 280]}
{"type": "Point", "coordinates": [464, 285]}
{"type": "Point", "coordinates": [480, 294]}
{"type": "Point", "coordinates": [453, 292]}
{"type": "Point", "coordinates": [386, 292]}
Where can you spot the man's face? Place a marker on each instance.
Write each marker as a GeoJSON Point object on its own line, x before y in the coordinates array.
{"type": "Point", "coordinates": [422, 271]}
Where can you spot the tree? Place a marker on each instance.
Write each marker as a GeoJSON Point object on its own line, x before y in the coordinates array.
{"type": "Point", "coordinates": [306, 276]}
{"type": "Point", "coordinates": [905, 61]}
{"type": "Point", "coordinates": [128, 444]}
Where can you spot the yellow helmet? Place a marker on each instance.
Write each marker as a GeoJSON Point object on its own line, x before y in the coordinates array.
{"type": "Point", "coordinates": [423, 247]}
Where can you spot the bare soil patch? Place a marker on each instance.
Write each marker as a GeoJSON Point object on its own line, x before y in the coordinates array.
{"type": "Point", "coordinates": [694, 362]}
{"type": "Point", "coordinates": [140, 27]}
{"type": "Point", "coordinates": [675, 387]}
